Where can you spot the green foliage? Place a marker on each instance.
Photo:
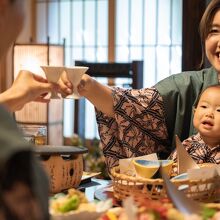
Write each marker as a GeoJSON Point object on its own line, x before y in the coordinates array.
{"type": "Point", "coordinates": [75, 140]}
{"type": "Point", "coordinates": [94, 160]}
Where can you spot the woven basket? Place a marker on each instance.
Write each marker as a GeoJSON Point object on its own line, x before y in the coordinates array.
{"type": "Point", "coordinates": [124, 186]}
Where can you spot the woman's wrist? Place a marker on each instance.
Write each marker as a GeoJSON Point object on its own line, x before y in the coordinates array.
{"type": "Point", "coordinates": [86, 86]}
{"type": "Point", "coordinates": [90, 87]}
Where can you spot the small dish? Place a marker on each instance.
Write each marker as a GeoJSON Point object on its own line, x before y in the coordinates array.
{"type": "Point", "coordinates": [87, 176]}
{"type": "Point", "coordinates": [147, 168]}
{"type": "Point", "coordinates": [182, 176]}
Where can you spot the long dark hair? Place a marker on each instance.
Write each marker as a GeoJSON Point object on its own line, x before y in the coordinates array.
{"type": "Point", "coordinates": [206, 24]}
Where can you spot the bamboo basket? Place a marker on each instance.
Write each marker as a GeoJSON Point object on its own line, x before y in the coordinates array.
{"type": "Point", "coordinates": [123, 186]}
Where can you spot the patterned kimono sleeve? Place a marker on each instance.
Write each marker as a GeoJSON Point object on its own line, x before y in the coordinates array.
{"type": "Point", "coordinates": [138, 127]}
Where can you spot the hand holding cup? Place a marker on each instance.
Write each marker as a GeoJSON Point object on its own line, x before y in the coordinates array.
{"type": "Point", "coordinates": [53, 74]}
{"type": "Point", "coordinates": [74, 75]}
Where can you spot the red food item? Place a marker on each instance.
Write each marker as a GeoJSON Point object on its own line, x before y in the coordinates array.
{"type": "Point", "coordinates": [154, 207]}
{"type": "Point", "coordinates": [104, 217]}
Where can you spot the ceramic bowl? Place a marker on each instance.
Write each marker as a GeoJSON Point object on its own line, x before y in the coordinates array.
{"type": "Point", "coordinates": [147, 168]}
{"type": "Point", "coordinates": [179, 178]}
{"type": "Point", "coordinates": [182, 176]}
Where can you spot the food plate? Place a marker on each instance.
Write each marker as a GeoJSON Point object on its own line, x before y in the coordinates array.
{"type": "Point", "coordinates": [153, 209]}
{"type": "Point", "coordinates": [85, 215]}
{"type": "Point", "coordinates": [75, 205]}
{"type": "Point", "coordinates": [86, 177]}
{"type": "Point", "coordinates": [181, 176]}
{"type": "Point", "coordinates": [91, 211]}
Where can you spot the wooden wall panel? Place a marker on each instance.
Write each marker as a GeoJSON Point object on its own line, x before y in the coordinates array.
{"type": "Point", "coordinates": [2, 75]}
{"type": "Point", "coordinates": [191, 44]}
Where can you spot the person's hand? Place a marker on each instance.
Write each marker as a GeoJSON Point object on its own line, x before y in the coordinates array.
{"type": "Point", "coordinates": [27, 87]}
{"type": "Point", "coordinates": [85, 85]}
{"type": "Point", "coordinates": [32, 87]}
{"type": "Point", "coordinates": [66, 86]}
{"type": "Point", "coordinates": [99, 95]}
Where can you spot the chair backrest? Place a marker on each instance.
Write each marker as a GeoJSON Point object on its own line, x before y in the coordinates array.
{"type": "Point", "coordinates": [131, 70]}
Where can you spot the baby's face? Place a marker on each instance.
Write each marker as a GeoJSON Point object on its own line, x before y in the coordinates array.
{"type": "Point", "coordinates": [207, 114]}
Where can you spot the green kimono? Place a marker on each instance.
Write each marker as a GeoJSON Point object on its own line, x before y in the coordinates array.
{"type": "Point", "coordinates": [180, 93]}
{"type": "Point", "coordinates": [15, 149]}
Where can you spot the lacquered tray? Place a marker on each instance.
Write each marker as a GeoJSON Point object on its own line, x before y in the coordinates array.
{"type": "Point", "coordinates": [53, 149]}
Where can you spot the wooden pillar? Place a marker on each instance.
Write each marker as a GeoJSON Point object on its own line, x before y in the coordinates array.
{"type": "Point", "coordinates": [2, 74]}
{"type": "Point", "coordinates": [191, 44]}
{"type": "Point", "coordinates": [111, 30]}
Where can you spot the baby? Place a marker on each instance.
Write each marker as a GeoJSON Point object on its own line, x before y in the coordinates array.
{"type": "Point", "coordinates": [204, 147]}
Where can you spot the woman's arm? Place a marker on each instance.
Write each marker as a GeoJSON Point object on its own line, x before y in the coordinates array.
{"type": "Point", "coordinates": [99, 95]}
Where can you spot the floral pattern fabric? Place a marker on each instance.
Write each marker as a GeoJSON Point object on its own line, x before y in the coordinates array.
{"type": "Point", "coordinates": [138, 127]}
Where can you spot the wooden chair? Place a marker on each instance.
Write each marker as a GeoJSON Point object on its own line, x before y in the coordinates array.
{"type": "Point", "coordinates": [132, 70]}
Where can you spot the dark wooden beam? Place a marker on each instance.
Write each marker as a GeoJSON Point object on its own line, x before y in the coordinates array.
{"type": "Point", "coordinates": [191, 44]}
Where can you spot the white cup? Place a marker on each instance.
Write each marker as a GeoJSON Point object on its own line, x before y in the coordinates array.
{"type": "Point", "coordinates": [75, 74]}
{"type": "Point", "coordinates": [53, 74]}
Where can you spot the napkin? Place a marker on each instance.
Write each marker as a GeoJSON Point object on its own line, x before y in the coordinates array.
{"type": "Point", "coordinates": [204, 172]}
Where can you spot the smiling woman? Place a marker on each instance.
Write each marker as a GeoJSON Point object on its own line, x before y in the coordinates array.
{"type": "Point", "coordinates": [138, 122]}
{"type": "Point", "coordinates": [212, 42]}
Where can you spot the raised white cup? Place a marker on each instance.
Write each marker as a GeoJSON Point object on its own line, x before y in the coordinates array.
{"type": "Point", "coordinates": [53, 74]}
{"type": "Point", "coordinates": [75, 74]}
